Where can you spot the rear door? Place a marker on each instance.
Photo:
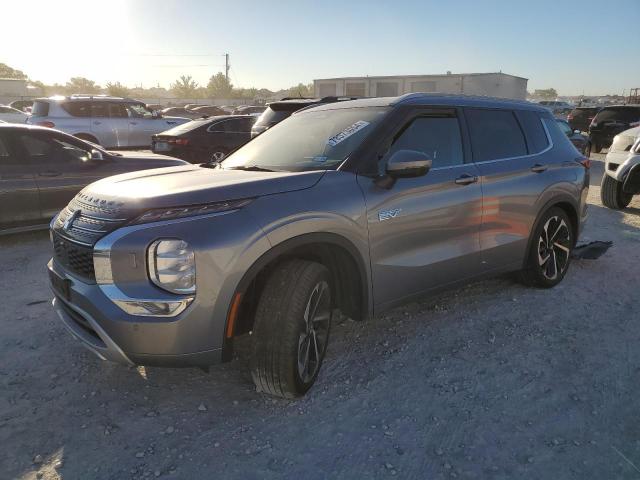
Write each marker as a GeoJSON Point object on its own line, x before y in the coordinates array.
{"type": "Point", "coordinates": [514, 171]}
{"type": "Point", "coordinates": [18, 189]}
{"type": "Point", "coordinates": [424, 231]}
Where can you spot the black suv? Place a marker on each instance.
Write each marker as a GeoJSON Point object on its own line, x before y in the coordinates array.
{"type": "Point", "coordinates": [580, 118]}
{"type": "Point", "coordinates": [278, 111]}
{"type": "Point", "coordinates": [609, 122]}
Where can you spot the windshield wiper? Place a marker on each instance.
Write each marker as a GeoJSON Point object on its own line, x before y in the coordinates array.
{"type": "Point", "coordinates": [250, 168]}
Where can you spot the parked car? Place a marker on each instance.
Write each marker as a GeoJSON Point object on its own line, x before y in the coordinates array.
{"type": "Point", "coordinates": [609, 122]}
{"type": "Point", "coordinates": [41, 169]}
{"type": "Point", "coordinates": [358, 206]}
{"type": "Point", "coordinates": [275, 112]}
{"type": "Point", "coordinates": [557, 107]}
{"type": "Point", "coordinates": [11, 115]}
{"type": "Point", "coordinates": [249, 110]}
{"type": "Point", "coordinates": [180, 112]}
{"type": "Point", "coordinates": [209, 110]}
{"type": "Point", "coordinates": [580, 118]}
{"type": "Point", "coordinates": [155, 107]}
{"type": "Point", "coordinates": [580, 141]}
{"type": "Point", "coordinates": [108, 121]}
{"type": "Point", "coordinates": [621, 179]}
{"type": "Point", "coordinates": [205, 140]}
{"type": "Point", "coordinates": [22, 105]}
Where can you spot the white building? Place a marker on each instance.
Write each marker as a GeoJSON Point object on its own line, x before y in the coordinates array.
{"type": "Point", "coordinates": [490, 84]}
{"type": "Point", "coordinates": [12, 87]}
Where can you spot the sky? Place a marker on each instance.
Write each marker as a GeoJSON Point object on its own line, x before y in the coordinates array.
{"type": "Point", "coordinates": [577, 47]}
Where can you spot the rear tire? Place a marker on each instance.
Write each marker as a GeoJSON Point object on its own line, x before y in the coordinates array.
{"type": "Point", "coordinates": [291, 329]}
{"type": "Point", "coordinates": [549, 255]}
{"type": "Point", "coordinates": [612, 195]}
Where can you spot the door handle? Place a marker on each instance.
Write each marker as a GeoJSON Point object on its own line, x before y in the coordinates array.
{"type": "Point", "coordinates": [49, 173]}
{"type": "Point", "coordinates": [97, 123]}
{"type": "Point", "coordinates": [466, 179]}
{"type": "Point", "coordinates": [538, 168]}
{"type": "Point", "coordinates": [133, 123]}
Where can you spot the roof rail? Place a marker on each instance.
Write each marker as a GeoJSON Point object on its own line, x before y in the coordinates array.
{"type": "Point", "coordinates": [339, 99]}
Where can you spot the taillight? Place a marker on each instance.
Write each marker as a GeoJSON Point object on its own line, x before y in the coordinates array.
{"type": "Point", "coordinates": [46, 124]}
{"type": "Point", "coordinates": [178, 141]}
{"type": "Point", "coordinates": [584, 161]}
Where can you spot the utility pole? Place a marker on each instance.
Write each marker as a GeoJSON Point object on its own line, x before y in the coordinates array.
{"type": "Point", "coordinates": [226, 66]}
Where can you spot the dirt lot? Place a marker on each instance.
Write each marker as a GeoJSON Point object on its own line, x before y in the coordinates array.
{"type": "Point", "coordinates": [490, 381]}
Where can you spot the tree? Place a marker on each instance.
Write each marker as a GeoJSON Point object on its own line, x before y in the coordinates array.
{"type": "Point", "coordinates": [301, 90]}
{"type": "Point", "coordinates": [7, 72]}
{"type": "Point", "coordinates": [219, 86]}
{"type": "Point", "coordinates": [185, 87]}
{"type": "Point", "coordinates": [82, 85]}
{"type": "Point", "coordinates": [546, 94]}
{"type": "Point", "coordinates": [116, 89]}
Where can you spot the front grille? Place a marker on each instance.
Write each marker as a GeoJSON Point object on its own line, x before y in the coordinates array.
{"type": "Point", "coordinates": [76, 259]}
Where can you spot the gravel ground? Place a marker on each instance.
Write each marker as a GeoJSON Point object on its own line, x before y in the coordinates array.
{"type": "Point", "coordinates": [493, 380]}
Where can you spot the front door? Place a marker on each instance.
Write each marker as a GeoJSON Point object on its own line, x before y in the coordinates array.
{"type": "Point", "coordinates": [18, 188]}
{"type": "Point", "coordinates": [62, 168]}
{"type": "Point", "coordinates": [110, 123]}
{"type": "Point", "coordinates": [424, 231]}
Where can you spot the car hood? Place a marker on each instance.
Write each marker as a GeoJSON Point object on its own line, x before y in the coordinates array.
{"type": "Point", "coordinates": [193, 185]}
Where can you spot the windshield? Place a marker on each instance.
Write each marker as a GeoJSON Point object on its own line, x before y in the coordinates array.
{"type": "Point", "coordinates": [313, 140]}
{"type": "Point", "coordinates": [270, 116]}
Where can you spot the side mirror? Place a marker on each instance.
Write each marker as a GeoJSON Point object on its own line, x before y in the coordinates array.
{"type": "Point", "coordinates": [96, 155]}
{"type": "Point", "coordinates": [408, 163]}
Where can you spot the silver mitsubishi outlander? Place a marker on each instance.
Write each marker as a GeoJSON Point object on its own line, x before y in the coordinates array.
{"type": "Point", "coordinates": [356, 206]}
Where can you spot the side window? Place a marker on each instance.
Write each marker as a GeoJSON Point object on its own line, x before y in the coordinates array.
{"type": "Point", "coordinates": [139, 111]}
{"type": "Point", "coordinates": [45, 150]}
{"type": "Point", "coordinates": [117, 110]}
{"type": "Point", "coordinates": [534, 131]}
{"type": "Point", "coordinates": [5, 110]}
{"type": "Point", "coordinates": [236, 126]}
{"type": "Point", "coordinates": [99, 109]}
{"type": "Point", "coordinates": [438, 137]}
{"type": "Point", "coordinates": [495, 134]}
{"type": "Point", "coordinates": [78, 109]}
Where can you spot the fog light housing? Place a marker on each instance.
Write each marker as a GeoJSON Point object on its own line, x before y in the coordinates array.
{"type": "Point", "coordinates": [172, 266]}
{"type": "Point", "coordinates": [153, 308]}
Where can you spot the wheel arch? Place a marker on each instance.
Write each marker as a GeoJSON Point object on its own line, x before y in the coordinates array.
{"type": "Point", "coordinates": [87, 136]}
{"type": "Point", "coordinates": [345, 263]}
{"type": "Point", "coordinates": [568, 205]}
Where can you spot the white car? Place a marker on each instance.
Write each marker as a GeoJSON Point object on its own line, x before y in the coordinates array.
{"type": "Point", "coordinates": [108, 121]}
{"type": "Point", "coordinates": [621, 179]}
{"type": "Point", "coordinates": [11, 115]}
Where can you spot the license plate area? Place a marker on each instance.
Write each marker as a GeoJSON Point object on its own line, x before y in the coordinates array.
{"type": "Point", "coordinates": [62, 286]}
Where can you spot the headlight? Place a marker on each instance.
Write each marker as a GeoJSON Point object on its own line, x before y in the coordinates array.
{"type": "Point", "coordinates": [161, 214]}
{"type": "Point", "coordinates": [172, 266]}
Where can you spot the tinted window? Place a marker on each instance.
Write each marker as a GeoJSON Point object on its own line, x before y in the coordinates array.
{"type": "Point", "coordinates": [78, 109]}
{"type": "Point", "coordinates": [43, 149]}
{"type": "Point", "coordinates": [7, 110]}
{"type": "Point", "coordinates": [271, 116]}
{"type": "Point", "coordinates": [139, 110]}
{"type": "Point", "coordinates": [623, 114]}
{"type": "Point", "coordinates": [219, 127]}
{"type": "Point", "coordinates": [40, 109]}
{"type": "Point", "coordinates": [99, 109]}
{"type": "Point", "coordinates": [4, 151]}
{"type": "Point", "coordinates": [494, 134]}
{"type": "Point", "coordinates": [439, 138]}
{"type": "Point", "coordinates": [532, 125]}
{"type": "Point", "coordinates": [117, 110]}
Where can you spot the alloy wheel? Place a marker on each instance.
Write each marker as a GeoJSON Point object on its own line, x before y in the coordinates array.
{"type": "Point", "coordinates": [554, 248]}
{"type": "Point", "coordinates": [313, 339]}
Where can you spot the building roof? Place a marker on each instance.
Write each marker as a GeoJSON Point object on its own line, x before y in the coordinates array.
{"type": "Point", "coordinates": [437, 75]}
{"type": "Point", "coordinates": [434, 99]}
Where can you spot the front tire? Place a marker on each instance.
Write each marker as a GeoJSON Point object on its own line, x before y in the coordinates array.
{"type": "Point", "coordinates": [612, 195]}
{"type": "Point", "coordinates": [550, 251]}
{"type": "Point", "coordinates": [291, 329]}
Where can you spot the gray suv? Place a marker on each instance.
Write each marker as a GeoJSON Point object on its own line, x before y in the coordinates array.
{"type": "Point", "coordinates": [111, 122]}
{"type": "Point", "coordinates": [356, 206]}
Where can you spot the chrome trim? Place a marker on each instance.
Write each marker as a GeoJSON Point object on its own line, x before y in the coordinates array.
{"type": "Point", "coordinates": [118, 297]}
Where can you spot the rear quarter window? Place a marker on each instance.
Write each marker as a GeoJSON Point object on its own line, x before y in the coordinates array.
{"type": "Point", "coordinates": [534, 131]}
{"type": "Point", "coordinates": [495, 134]}
{"type": "Point", "coordinates": [621, 114]}
{"type": "Point", "coordinates": [40, 109]}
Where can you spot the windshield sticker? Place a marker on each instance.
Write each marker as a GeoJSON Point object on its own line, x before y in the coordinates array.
{"type": "Point", "coordinates": [346, 133]}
